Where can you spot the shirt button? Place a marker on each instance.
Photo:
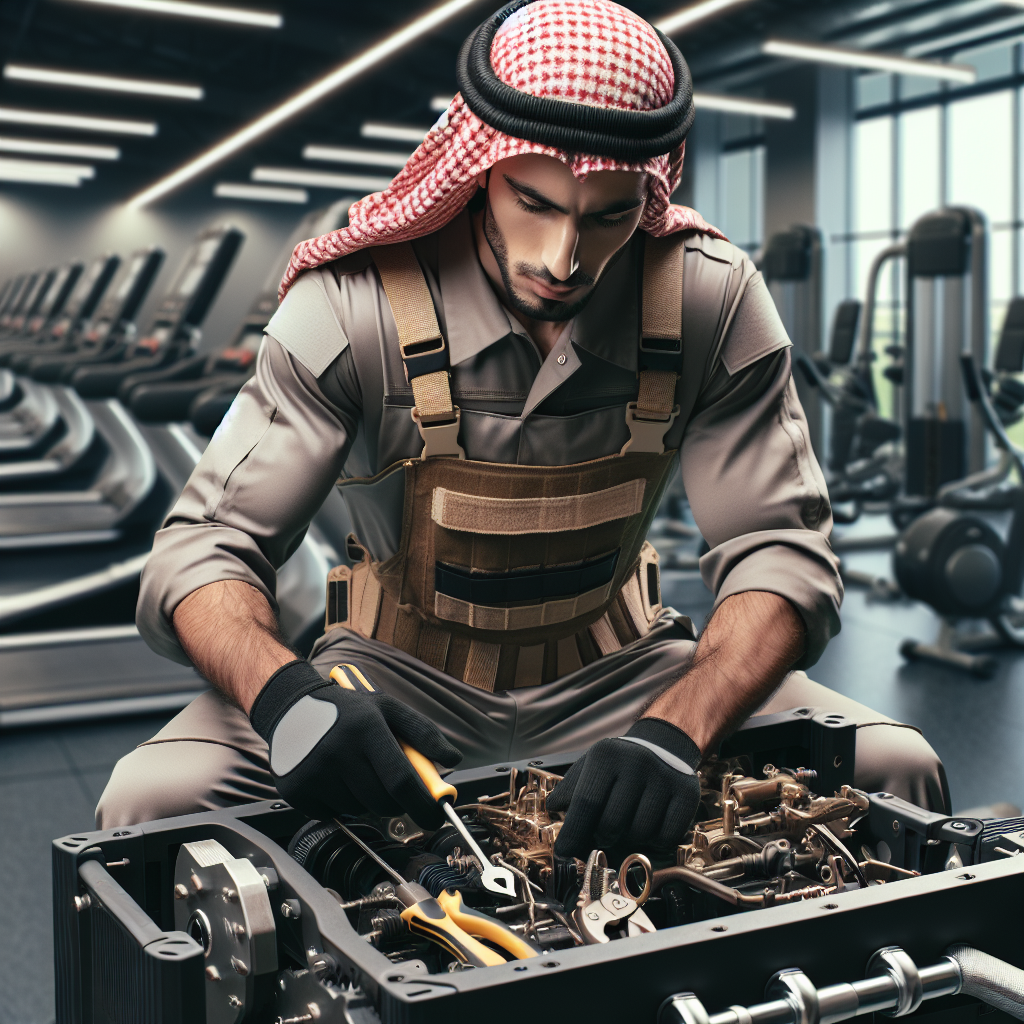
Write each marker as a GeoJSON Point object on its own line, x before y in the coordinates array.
{"type": "Point", "coordinates": [561, 359]}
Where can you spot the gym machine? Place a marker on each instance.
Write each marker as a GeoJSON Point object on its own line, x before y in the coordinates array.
{"type": "Point", "coordinates": [254, 914]}
{"type": "Point", "coordinates": [791, 265]}
{"type": "Point", "coordinates": [963, 558]}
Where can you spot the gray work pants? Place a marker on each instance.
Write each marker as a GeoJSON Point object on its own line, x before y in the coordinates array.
{"type": "Point", "coordinates": [208, 756]}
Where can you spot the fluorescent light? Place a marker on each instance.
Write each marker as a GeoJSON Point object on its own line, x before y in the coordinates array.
{"type": "Point", "coordinates": [693, 13]}
{"type": "Point", "coordinates": [261, 193]}
{"type": "Point", "coordinates": [104, 83]}
{"type": "Point", "coordinates": [348, 155]}
{"type": "Point", "coordinates": [743, 105]}
{"type": "Point", "coordinates": [303, 99]}
{"type": "Point", "coordinates": [84, 124]}
{"type": "Point", "coordinates": [43, 172]}
{"type": "Point", "coordinates": [440, 103]}
{"type": "Point", "coordinates": [363, 183]}
{"type": "Point", "coordinates": [875, 61]}
{"type": "Point", "coordinates": [42, 148]}
{"type": "Point", "coordinates": [209, 12]}
{"type": "Point", "coordinates": [395, 132]}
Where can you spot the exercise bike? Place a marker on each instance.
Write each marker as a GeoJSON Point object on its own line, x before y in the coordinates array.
{"type": "Point", "coordinates": [950, 557]}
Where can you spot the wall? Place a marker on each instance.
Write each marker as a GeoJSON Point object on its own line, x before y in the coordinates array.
{"type": "Point", "coordinates": [42, 226]}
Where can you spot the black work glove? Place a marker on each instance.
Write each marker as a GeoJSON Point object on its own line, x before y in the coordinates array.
{"type": "Point", "coordinates": [334, 751]}
{"type": "Point", "coordinates": [640, 789]}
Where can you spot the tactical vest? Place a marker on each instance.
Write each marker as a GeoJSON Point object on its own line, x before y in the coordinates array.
{"type": "Point", "coordinates": [510, 575]}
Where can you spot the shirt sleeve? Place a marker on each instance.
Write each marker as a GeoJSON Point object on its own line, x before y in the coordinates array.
{"type": "Point", "coordinates": [754, 485]}
{"type": "Point", "coordinates": [245, 509]}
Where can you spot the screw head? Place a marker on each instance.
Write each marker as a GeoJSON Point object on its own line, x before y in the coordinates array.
{"type": "Point", "coordinates": [83, 902]}
{"type": "Point", "coordinates": [535, 764]}
{"type": "Point", "coordinates": [398, 828]}
{"type": "Point", "coordinates": [960, 826]}
{"type": "Point", "coordinates": [212, 974]}
{"type": "Point", "coordinates": [180, 892]}
{"type": "Point", "coordinates": [895, 826]}
{"type": "Point", "coordinates": [234, 1001]}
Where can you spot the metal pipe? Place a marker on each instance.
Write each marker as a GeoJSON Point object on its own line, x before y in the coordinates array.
{"type": "Point", "coordinates": [867, 325]}
{"type": "Point", "coordinates": [881, 991]}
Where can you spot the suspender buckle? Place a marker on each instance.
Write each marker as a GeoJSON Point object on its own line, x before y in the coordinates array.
{"type": "Point", "coordinates": [427, 356]}
{"type": "Point", "coordinates": [646, 435]}
{"type": "Point", "coordinates": [661, 354]}
{"type": "Point", "coordinates": [440, 439]}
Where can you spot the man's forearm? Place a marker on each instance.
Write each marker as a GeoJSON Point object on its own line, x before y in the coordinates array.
{"type": "Point", "coordinates": [229, 632]}
{"type": "Point", "coordinates": [743, 655]}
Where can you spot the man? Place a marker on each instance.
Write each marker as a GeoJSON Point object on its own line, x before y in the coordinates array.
{"type": "Point", "coordinates": [507, 397]}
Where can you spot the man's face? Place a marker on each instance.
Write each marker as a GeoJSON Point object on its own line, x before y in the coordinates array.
{"type": "Point", "coordinates": [551, 236]}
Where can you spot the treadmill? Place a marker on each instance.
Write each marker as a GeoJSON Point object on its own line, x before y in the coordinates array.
{"type": "Point", "coordinates": [109, 325]}
{"type": "Point", "coordinates": [26, 300]}
{"type": "Point", "coordinates": [167, 395]}
{"type": "Point", "coordinates": [175, 329]}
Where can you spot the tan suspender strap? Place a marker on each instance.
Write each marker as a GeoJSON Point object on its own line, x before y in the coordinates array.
{"type": "Point", "coordinates": [663, 275]}
{"type": "Point", "coordinates": [657, 397]}
{"type": "Point", "coordinates": [418, 331]}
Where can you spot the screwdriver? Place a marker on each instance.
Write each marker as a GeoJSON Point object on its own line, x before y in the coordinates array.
{"type": "Point", "coordinates": [499, 880]}
{"type": "Point", "coordinates": [426, 917]}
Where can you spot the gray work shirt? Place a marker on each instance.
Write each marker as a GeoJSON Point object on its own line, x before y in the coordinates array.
{"type": "Point", "coordinates": [330, 398]}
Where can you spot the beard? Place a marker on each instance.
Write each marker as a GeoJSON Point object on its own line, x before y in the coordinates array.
{"type": "Point", "coordinates": [535, 307]}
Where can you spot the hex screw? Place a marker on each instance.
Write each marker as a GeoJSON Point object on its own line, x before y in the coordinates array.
{"type": "Point", "coordinates": [180, 892]}
{"type": "Point", "coordinates": [83, 902]}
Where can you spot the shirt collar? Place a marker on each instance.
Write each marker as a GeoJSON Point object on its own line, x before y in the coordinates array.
{"type": "Point", "coordinates": [608, 326]}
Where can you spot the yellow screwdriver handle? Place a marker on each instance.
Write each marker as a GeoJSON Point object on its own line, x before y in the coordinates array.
{"type": "Point", "coordinates": [344, 675]}
{"type": "Point", "coordinates": [436, 786]}
{"type": "Point", "coordinates": [429, 920]}
{"type": "Point", "coordinates": [482, 926]}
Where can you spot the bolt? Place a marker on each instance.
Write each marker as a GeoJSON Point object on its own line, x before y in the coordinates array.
{"type": "Point", "coordinates": [196, 883]}
{"type": "Point", "coordinates": [291, 909]}
{"type": "Point", "coordinates": [895, 826]}
{"type": "Point", "coordinates": [238, 929]}
{"type": "Point", "coordinates": [503, 768]}
{"type": "Point", "coordinates": [837, 762]}
{"type": "Point", "coordinates": [83, 902]}
{"type": "Point", "coordinates": [180, 892]}
{"type": "Point", "coordinates": [278, 807]}
{"type": "Point", "coordinates": [239, 966]}
{"type": "Point", "coordinates": [535, 764]}
{"type": "Point", "coordinates": [234, 1001]}
{"type": "Point", "coordinates": [960, 826]}
{"type": "Point", "coordinates": [398, 828]}
{"type": "Point", "coordinates": [119, 834]}
{"type": "Point", "coordinates": [230, 895]}
{"type": "Point", "coordinates": [212, 974]}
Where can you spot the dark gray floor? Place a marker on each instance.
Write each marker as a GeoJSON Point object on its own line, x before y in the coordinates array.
{"type": "Point", "coordinates": [50, 779]}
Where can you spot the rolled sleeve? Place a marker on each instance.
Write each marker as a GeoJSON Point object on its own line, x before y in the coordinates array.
{"type": "Point", "coordinates": [759, 497]}
{"type": "Point", "coordinates": [250, 498]}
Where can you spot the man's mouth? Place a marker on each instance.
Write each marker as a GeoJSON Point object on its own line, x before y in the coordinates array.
{"type": "Point", "coordinates": [547, 291]}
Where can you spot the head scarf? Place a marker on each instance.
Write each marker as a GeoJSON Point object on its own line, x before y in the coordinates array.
{"type": "Point", "coordinates": [590, 52]}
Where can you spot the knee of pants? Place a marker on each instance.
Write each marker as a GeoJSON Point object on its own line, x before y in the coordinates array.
{"type": "Point", "coordinates": [895, 759]}
{"type": "Point", "coordinates": [160, 780]}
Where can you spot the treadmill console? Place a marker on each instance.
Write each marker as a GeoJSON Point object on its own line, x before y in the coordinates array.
{"type": "Point", "coordinates": [120, 307]}
{"type": "Point", "coordinates": [56, 297]}
{"type": "Point", "coordinates": [86, 296]}
{"type": "Point", "coordinates": [199, 278]}
{"type": "Point", "coordinates": [32, 300]}
{"type": "Point", "coordinates": [19, 292]}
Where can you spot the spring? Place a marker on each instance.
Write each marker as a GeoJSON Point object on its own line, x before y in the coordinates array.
{"type": "Point", "coordinates": [389, 924]}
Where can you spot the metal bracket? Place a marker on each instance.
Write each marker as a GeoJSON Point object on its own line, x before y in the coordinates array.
{"type": "Point", "coordinates": [440, 440]}
{"type": "Point", "coordinates": [646, 435]}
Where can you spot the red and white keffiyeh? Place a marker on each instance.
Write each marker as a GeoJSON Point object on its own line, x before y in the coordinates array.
{"type": "Point", "coordinates": [583, 51]}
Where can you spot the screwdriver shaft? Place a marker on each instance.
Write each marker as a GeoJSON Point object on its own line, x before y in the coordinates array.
{"type": "Point", "coordinates": [464, 832]}
{"type": "Point", "coordinates": [370, 853]}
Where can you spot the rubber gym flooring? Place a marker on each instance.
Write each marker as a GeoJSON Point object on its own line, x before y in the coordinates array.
{"type": "Point", "coordinates": [51, 778]}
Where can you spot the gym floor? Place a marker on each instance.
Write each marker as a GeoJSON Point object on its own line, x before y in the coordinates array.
{"type": "Point", "coordinates": [51, 778]}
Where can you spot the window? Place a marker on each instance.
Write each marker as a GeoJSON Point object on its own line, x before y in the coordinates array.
{"type": "Point", "coordinates": [741, 188]}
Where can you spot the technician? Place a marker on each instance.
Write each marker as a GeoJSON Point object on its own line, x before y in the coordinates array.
{"type": "Point", "coordinates": [507, 354]}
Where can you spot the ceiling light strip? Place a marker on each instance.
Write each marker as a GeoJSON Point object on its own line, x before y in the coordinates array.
{"type": "Point", "coordinates": [259, 193]}
{"type": "Point", "coordinates": [302, 100]}
{"type": "Point", "coordinates": [694, 13]}
{"type": "Point", "coordinates": [394, 132]}
{"type": "Point", "coordinates": [320, 179]}
{"type": "Point", "coordinates": [44, 171]}
{"type": "Point", "coordinates": [350, 155]}
{"type": "Point", "coordinates": [743, 105]}
{"type": "Point", "coordinates": [104, 83]}
{"type": "Point", "coordinates": [110, 125]}
{"type": "Point", "coordinates": [439, 104]}
{"type": "Point", "coordinates": [207, 12]}
{"type": "Point", "coordinates": [41, 147]}
{"type": "Point", "coordinates": [843, 57]}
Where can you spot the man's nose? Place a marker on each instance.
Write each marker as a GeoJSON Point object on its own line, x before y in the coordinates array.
{"type": "Point", "coordinates": [560, 250]}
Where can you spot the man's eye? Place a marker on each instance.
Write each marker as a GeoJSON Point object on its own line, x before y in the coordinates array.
{"type": "Point", "coordinates": [614, 221]}
{"type": "Point", "coordinates": [531, 207]}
